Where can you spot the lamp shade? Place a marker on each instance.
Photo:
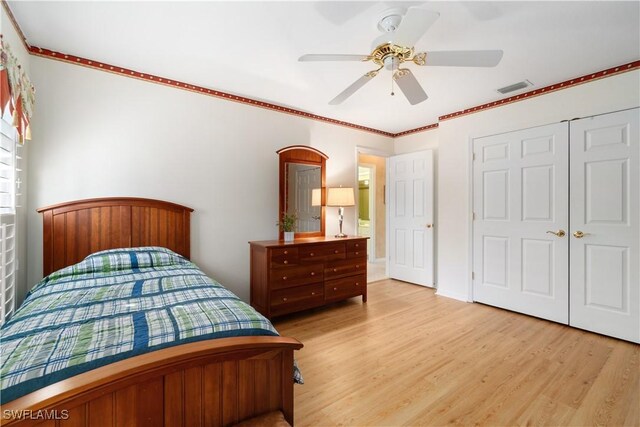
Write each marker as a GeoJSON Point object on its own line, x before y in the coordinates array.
{"type": "Point", "coordinates": [316, 197]}
{"type": "Point", "coordinates": [340, 197]}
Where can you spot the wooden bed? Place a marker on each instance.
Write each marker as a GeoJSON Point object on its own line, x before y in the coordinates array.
{"type": "Point", "coordinates": [207, 383]}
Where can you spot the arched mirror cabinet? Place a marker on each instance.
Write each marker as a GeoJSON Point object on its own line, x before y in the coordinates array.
{"type": "Point", "coordinates": [302, 188]}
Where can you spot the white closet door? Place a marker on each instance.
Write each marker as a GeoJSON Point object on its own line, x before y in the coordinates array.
{"type": "Point", "coordinates": [605, 194]}
{"type": "Point", "coordinates": [411, 217]}
{"type": "Point", "coordinates": [520, 196]}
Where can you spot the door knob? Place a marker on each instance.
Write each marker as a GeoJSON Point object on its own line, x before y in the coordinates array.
{"type": "Point", "coordinates": [429, 226]}
{"type": "Point", "coordinates": [559, 233]}
{"type": "Point", "coordinates": [579, 234]}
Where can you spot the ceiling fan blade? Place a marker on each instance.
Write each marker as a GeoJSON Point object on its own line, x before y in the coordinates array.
{"type": "Point", "coordinates": [334, 57]}
{"type": "Point", "coordinates": [353, 88]}
{"type": "Point", "coordinates": [409, 85]}
{"type": "Point", "coordinates": [464, 58]}
{"type": "Point", "coordinates": [414, 24]}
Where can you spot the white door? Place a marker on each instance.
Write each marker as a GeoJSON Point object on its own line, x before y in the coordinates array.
{"type": "Point", "coordinates": [411, 217]}
{"type": "Point", "coordinates": [605, 193]}
{"type": "Point", "coordinates": [520, 199]}
{"type": "Point", "coordinates": [308, 215]}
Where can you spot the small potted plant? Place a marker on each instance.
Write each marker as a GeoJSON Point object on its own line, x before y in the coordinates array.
{"type": "Point", "coordinates": [287, 224]}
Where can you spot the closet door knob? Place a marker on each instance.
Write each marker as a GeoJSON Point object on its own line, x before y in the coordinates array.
{"type": "Point", "coordinates": [559, 233]}
{"type": "Point", "coordinates": [579, 234]}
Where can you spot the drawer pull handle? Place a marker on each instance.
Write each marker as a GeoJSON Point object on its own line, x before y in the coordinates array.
{"type": "Point", "coordinates": [286, 252]}
{"type": "Point", "coordinates": [335, 270]}
{"type": "Point", "coordinates": [357, 245]}
{"type": "Point", "coordinates": [313, 273]}
{"type": "Point", "coordinates": [286, 262]}
{"type": "Point", "coordinates": [284, 299]}
{"type": "Point", "coordinates": [284, 277]}
{"type": "Point", "coordinates": [335, 289]}
{"type": "Point", "coordinates": [336, 251]}
{"type": "Point", "coordinates": [357, 266]}
{"type": "Point", "coordinates": [311, 254]}
{"type": "Point", "coordinates": [357, 253]}
{"type": "Point", "coordinates": [313, 293]}
{"type": "Point", "coordinates": [357, 284]}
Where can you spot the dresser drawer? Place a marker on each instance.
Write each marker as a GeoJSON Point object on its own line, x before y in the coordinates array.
{"type": "Point", "coordinates": [344, 288]}
{"type": "Point", "coordinates": [284, 257]}
{"type": "Point", "coordinates": [346, 267]}
{"type": "Point", "coordinates": [357, 249]}
{"type": "Point", "coordinates": [287, 277]}
{"type": "Point", "coordinates": [298, 298]}
{"type": "Point", "coordinates": [323, 252]}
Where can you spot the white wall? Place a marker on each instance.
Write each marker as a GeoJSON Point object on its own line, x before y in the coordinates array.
{"type": "Point", "coordinates": [14, 41]}
{"type": "Point", "coordinates": [100, 134]}
{"type": "Point", "coordinates": [453, 137]}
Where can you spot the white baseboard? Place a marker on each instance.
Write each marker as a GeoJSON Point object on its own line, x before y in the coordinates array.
{"type": "Point", "coordinates": [453, 295]}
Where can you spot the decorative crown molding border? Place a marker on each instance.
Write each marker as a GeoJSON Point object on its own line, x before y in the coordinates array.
{"type": "Point", "coordinates": [47, 53]}
{"type": "Point", "coordinates": [547, 89]}
{"type": "Point", "coordinates": [72, 59]}
{"type": "Point", "coordinates": [416, 130]}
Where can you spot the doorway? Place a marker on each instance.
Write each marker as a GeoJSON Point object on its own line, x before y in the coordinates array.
{"type": "Point", "coordinates": [367, 206]}
{"type": "Point", "coordinates": [371, 211]}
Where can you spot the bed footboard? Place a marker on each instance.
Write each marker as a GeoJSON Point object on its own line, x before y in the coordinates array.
{"type": "Point", "coordinates": [207, 383]}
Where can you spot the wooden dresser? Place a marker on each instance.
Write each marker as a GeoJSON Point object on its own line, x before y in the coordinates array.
{"type": "Point", "coordinates": [294, 276]}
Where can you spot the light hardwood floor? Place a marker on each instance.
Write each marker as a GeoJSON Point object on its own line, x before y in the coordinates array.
{"type": "Point", "coordinates": [409, 357]}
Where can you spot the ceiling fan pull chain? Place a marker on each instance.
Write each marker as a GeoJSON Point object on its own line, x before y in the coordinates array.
{"type": "Point", "coordinates": [392, 94]}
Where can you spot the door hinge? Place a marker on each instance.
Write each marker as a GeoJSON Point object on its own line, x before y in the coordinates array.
{"type": "Point", "coordinates": [473, 275]}
{"type": "Point", "coordinates": [474, 156]}
{"type": "Point", "coordinates": [473, 216]}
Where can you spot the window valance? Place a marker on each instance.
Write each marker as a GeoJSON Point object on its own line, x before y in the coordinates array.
{"type": "Point", "coordinates": [16, 91]}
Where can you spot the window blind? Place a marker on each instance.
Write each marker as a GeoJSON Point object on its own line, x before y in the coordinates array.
{"type": "Point", "coordinates": [10, 169]}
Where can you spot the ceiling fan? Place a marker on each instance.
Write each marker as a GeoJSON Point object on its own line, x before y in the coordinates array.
{"type": "Point", "coordinates": [395, 46]}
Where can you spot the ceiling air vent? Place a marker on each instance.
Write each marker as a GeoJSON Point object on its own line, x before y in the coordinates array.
{"type": "Point", "coordinates": [515, 86]}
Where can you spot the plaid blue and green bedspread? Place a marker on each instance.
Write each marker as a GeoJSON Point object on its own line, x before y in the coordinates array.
{"type": "Point", "coordinates": [113, 305]}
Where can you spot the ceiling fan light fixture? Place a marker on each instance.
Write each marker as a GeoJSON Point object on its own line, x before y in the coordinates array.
{"type": "Point", "coordinates": [391, 62]}
{"type": "Point", "coordinates": [401, 29]}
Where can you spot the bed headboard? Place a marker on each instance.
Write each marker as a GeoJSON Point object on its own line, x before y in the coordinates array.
{"type": "Point", "coordinates": [76, 229]}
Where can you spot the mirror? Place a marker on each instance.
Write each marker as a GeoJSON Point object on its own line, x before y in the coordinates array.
{"type": "Point", "coordinates": [302, 183]}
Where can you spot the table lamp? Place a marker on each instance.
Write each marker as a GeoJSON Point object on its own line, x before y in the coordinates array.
{"type": "Point", "coordinates": [340, 197]}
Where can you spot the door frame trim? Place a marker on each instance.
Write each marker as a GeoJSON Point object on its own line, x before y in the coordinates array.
{"type": "Point", "coordinates": [360, 149]}
{"type": "Point", "coordinates": [371, 257]}
{"type": "Point", "coordinates": [470, 297]}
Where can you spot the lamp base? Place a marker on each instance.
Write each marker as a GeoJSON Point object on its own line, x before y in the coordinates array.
{"type": "Point", "coordinates": [341, 235]}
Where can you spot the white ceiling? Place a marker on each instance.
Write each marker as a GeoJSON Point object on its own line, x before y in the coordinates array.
{"type": "Point", "coordinates": [251, 48]}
